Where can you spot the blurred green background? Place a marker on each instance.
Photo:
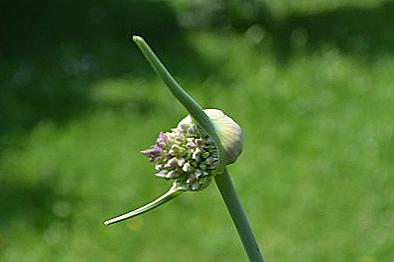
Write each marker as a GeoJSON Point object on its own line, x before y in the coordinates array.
{"type": "Point", "coordinates": [310, 82]}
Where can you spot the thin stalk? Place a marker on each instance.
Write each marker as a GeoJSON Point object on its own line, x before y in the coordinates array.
{"type": "Point", "coordinates": [238, 216]}
{"type": "Point", "coordinates": [191, 106]}
{"type": "Point", "coordinates": [170, 194]}
{"type": "Point", "coordinates": [222, 178]}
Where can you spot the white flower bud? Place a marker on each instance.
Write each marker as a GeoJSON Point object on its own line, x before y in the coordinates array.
{"type": "Point", "coordinates": [228, 130]}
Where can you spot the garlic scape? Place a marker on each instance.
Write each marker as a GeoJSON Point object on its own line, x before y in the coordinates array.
{"type": "Point", "coordinates": [194, 153]}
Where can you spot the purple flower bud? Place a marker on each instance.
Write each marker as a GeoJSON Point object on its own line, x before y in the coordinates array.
{"type": "Point", "coordinates": [191, 144]}
{"type": "Point", "coordinates": [162, 139]}
{"type": "Point", "coordinates": [199, 142]}
{"type": "Point", "coordinates": [152, 152]}
{"type": "Point", "coordinates": [199, 150]}
{"type": "Point", "coordinates": [183, 127]}
{"type": "Point", "coordinates": [191, 130]}
{"type": "Point", "coordinates": [179, 138]}
{"type": "Point", "coordinates": [173, 162]}
{"type": "Point", "coordinates": [197, 154]}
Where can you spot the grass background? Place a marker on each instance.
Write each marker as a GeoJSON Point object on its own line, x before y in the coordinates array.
{"type": "Point", "coordinates": [311, 84]}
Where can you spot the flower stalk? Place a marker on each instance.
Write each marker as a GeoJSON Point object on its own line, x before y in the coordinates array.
{"type": "Point", "coordinates": [170, 162]}
{"type": "Point", "coordinates": [238, 216]}
{"type": "Point", "coordinates": [170, 194]}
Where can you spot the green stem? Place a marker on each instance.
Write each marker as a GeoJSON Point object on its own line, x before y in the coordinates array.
{"type": "Point", "coordinates": [222, 178]}
{"type": "Point", "coordinates": [237, 213]}
{"type": "Point", "coordinates": [194, 109]}
{"type": "Point", "coordinates": [170, 194]}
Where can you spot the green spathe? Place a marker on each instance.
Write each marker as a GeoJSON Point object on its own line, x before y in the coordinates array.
{"type": "Point", "coordinates": [228, 130]}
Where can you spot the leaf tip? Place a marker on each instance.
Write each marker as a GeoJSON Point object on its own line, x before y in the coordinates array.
{"type": "Point", "coordinates": [137, 38]}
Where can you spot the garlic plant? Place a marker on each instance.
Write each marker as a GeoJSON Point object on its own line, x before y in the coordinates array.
{"type": "Point", "coordinates": [194, 153]}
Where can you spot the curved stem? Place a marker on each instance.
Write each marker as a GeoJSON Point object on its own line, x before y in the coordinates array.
{"type": "Point", "coordinates": [237, 213]}
{"type": "Point", "coordinates": [194, 109]}
{"type": "Point", "coordinates": [170, 194]}
{"type": "Point", "coordinates": [223, 180]}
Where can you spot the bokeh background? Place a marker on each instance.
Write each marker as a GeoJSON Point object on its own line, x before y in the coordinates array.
{"type": "Point", "coordinates": [310, 82]}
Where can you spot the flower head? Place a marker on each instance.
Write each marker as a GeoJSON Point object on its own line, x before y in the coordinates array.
{"type": "Point", "coordinates": [188, 156]}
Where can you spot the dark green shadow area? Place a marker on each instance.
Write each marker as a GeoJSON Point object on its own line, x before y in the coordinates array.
{"type": "Point", "coordinates": [51, 53]}
{"type": "Point", "coordinates": [365, 33]}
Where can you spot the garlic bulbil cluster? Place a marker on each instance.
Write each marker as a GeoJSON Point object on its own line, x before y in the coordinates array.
{"type": "Point", "coordinates": [189, 157]}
